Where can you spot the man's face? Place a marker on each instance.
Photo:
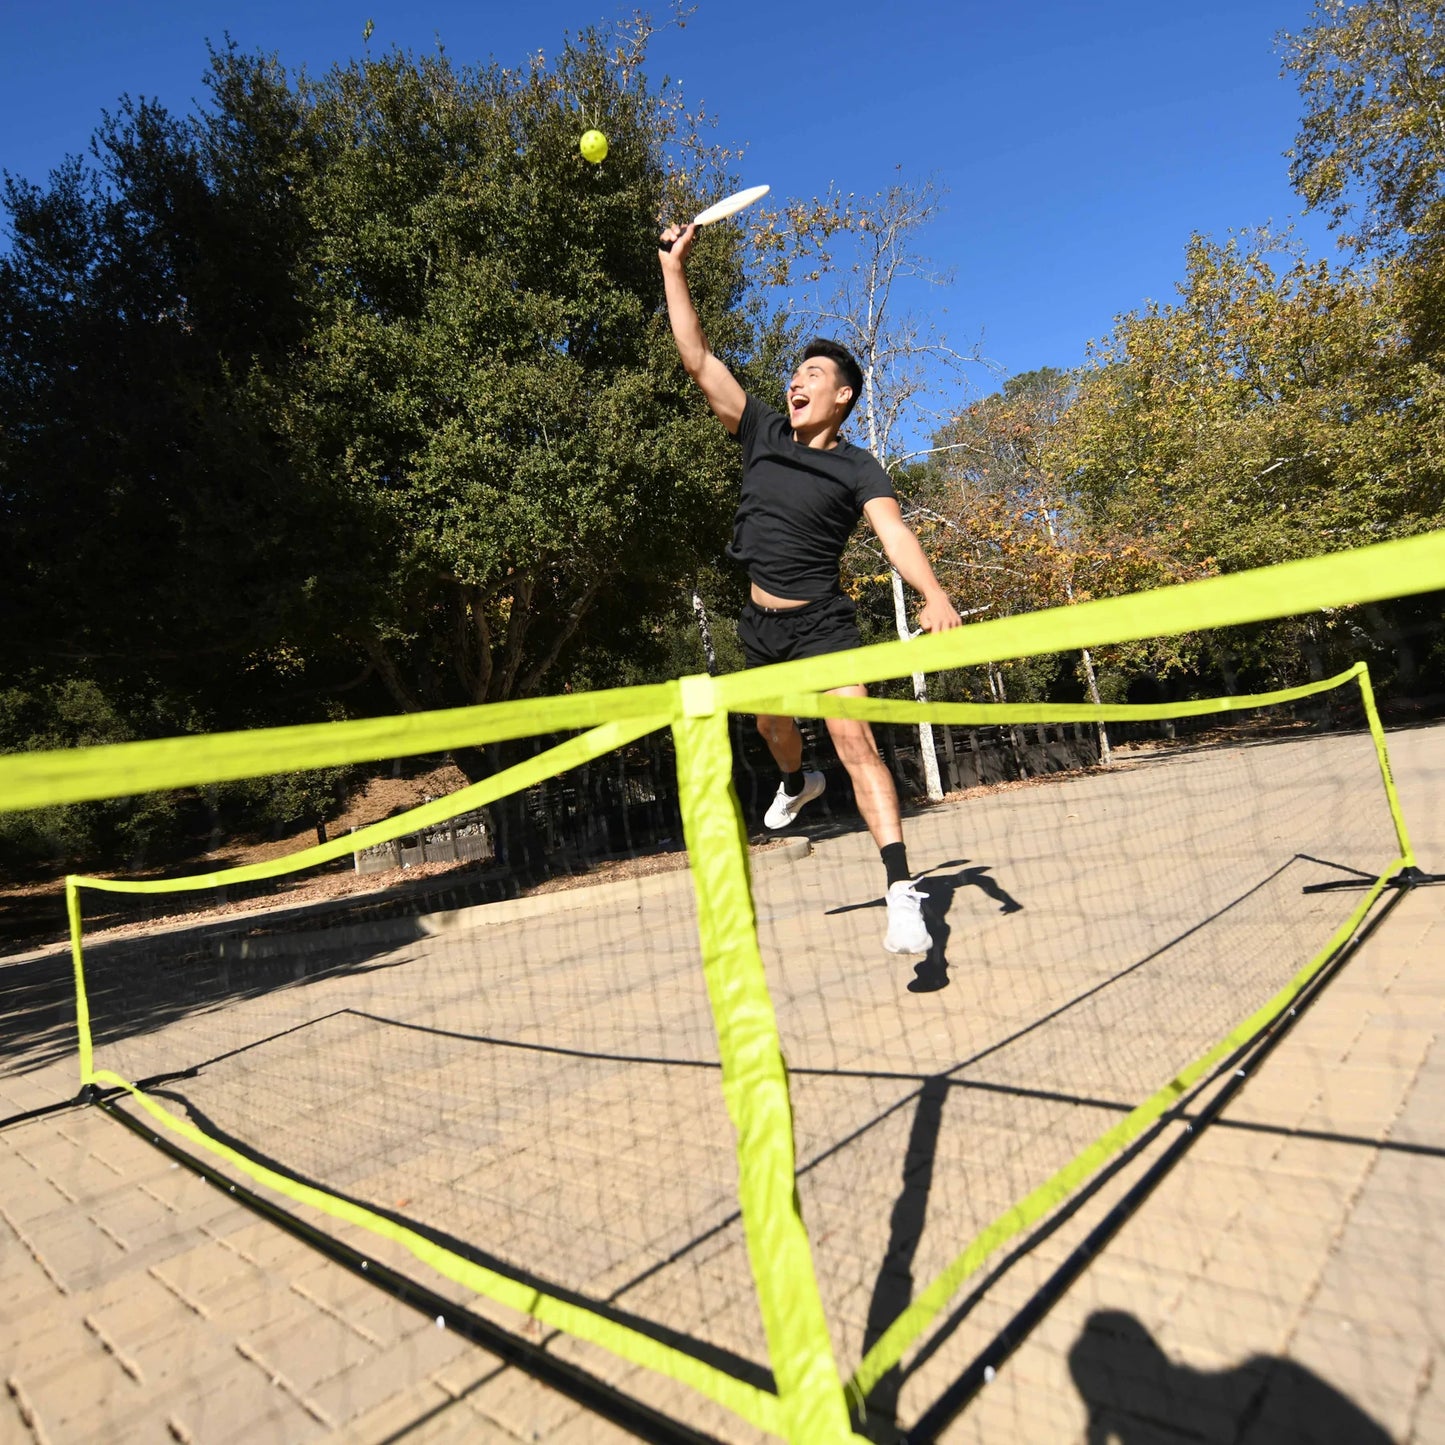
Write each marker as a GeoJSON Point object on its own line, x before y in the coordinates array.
{"type": "Point", "coordinates": [817, 394]}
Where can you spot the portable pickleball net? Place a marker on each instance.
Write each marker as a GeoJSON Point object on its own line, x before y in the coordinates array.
{"type": "Point", "coordinates": [690, 1131]}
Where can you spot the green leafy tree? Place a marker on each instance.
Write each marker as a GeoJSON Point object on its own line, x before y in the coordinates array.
{"type": "Point", "coordinates": [371, 366]}
{"type": "Point", "coordinates": [1371, 152]}
{"type": "Point", "coordinates": [153, 533]}
{"type": "Point", "coordinates": [360, 387]}
{"type": "Point", "coordinates": [487, 392]}
{"type": "Point", "coordinates": [74, 712]}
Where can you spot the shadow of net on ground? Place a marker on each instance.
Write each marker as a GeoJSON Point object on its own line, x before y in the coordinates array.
{"type": "Point", "coordinates": [939, 1096]}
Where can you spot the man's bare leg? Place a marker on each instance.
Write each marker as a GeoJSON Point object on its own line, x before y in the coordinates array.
{"type": "Point", "coordinates": [877, 797]}
{"type": "Point", "coordinates": [872, 782]}
{"type": "Point", "coordinates": [784, 741]}
{"type": "Point", "coordinates": [858, 752]}
{"type": "Point", "coordinates": [798, 789]}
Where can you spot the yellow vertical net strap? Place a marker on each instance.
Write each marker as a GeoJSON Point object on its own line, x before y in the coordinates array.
{"type": "Point", "coordinates": [1377, 734]}
{"type": "Point", "coordinates": [755, 1082]}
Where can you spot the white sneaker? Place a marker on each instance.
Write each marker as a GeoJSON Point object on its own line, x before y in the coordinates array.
{"type": "Point", "coordinates": [784, 809]}
{"type": "Point", "coordinates": [907, 932]}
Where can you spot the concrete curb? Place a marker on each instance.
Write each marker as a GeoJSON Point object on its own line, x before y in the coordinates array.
{"type": "Point", "coordinates": [395, 932]}
{"type": "Point", "coordinates": [569, 900]}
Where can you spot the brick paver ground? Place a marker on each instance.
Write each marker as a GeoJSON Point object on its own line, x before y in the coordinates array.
{"type": "Point", "coordinates": [1286, 1274]}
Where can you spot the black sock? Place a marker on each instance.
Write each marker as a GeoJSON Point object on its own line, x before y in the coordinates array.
{"type": "Point", "coordinates": [895, 860]}
{"type": "Point", "coordinates": [793, 783]}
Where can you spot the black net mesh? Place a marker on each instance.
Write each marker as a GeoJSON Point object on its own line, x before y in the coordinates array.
{"type": "Point", "coordinates": [1092, 933]}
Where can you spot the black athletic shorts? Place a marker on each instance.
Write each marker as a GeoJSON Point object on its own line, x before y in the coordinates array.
{"type": "Point", "coordinates": [784, 634]}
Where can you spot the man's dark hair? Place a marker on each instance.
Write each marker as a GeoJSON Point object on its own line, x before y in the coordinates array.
{"type": "Point", "coordinates": [849, 372]}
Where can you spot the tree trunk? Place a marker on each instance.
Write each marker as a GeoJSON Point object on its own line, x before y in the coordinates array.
{"type": "Point", "coordinates": [932, 785]}
{"type": "Point", "coordinates": [1000, 694]}
{"type": "Point", "coordinates": [1399, 643]}
{"type": "Point", "coordinates": [1105, 757]}
{"type": "Point", "coordinates": [517, 843]}
{"type": "Point", "coordinates": [954, 780]}
{"type": "Point", "coordinates": [1313, 651]}
{"type": "Point", "coordinates": [1227, 671]}
{"type": "Point", "coordinates": [709, 652]}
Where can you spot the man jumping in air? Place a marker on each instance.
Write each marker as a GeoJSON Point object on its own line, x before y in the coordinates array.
{"type": "Point", "coordinates": [803, 491]}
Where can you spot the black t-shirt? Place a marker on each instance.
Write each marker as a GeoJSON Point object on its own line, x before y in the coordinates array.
{"type": "Point", "coordinates": [799, 505]}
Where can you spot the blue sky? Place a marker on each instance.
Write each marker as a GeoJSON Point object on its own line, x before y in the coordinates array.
{"type": "Point", "coordinates": [1080, 143]}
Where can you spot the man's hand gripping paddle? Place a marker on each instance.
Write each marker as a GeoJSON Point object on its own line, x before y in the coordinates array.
{"type": "Point", "coordinates": [721, 210]}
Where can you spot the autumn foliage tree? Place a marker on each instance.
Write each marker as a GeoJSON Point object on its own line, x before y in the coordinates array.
{"type": "Point", "coordinates": [1003, 519]}
{"type": "Point", "coordinates": [1271, 413]}
{"type": "Point", "coordinates": [1268, 413]}
{"type": "Point", "coordinates": [1280, 407]}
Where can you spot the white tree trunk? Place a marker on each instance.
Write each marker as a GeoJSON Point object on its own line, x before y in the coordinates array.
{"type": "Point", "coordinates": [1105, 757]}
{"type": "Point", "coordinates": [709, 652]}
{"type": "Point", "coordinates": [932, 782]}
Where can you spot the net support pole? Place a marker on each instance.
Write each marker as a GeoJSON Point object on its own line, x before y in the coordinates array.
{"type": "Point", "coordinates": [82, 1002]}
{"type": "Point", "coordinates": [754, 1076]}
{"type": "Point", "coordinates": [1377, 732]}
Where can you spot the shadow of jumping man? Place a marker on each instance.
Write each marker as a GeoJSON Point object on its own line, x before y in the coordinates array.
{"type": "Point", "coordinates": [932, 973]}
{"type": "Point", "coordinates": [1136, 1395]}
{"type": "Point", "coordinates": [939, 889]}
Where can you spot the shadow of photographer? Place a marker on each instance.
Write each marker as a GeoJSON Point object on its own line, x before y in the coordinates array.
{"type": "Point", "coordinates": [1136, 1395]}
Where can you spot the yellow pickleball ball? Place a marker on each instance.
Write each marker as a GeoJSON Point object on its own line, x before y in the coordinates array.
{"type": "Point", "coordinates": [594, 146]}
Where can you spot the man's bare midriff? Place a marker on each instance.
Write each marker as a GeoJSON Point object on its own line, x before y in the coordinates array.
{"type": "Point", "coordinates": [767, 599]}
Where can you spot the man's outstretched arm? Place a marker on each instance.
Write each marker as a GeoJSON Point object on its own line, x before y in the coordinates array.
{"type": "Point", "coordinates": [719, 385]}
{"type": "Point", "coordinates": [904, 551]}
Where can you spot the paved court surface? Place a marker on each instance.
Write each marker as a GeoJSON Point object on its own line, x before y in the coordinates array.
{"type": "Point", "coordinates": [1283, 1283]}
